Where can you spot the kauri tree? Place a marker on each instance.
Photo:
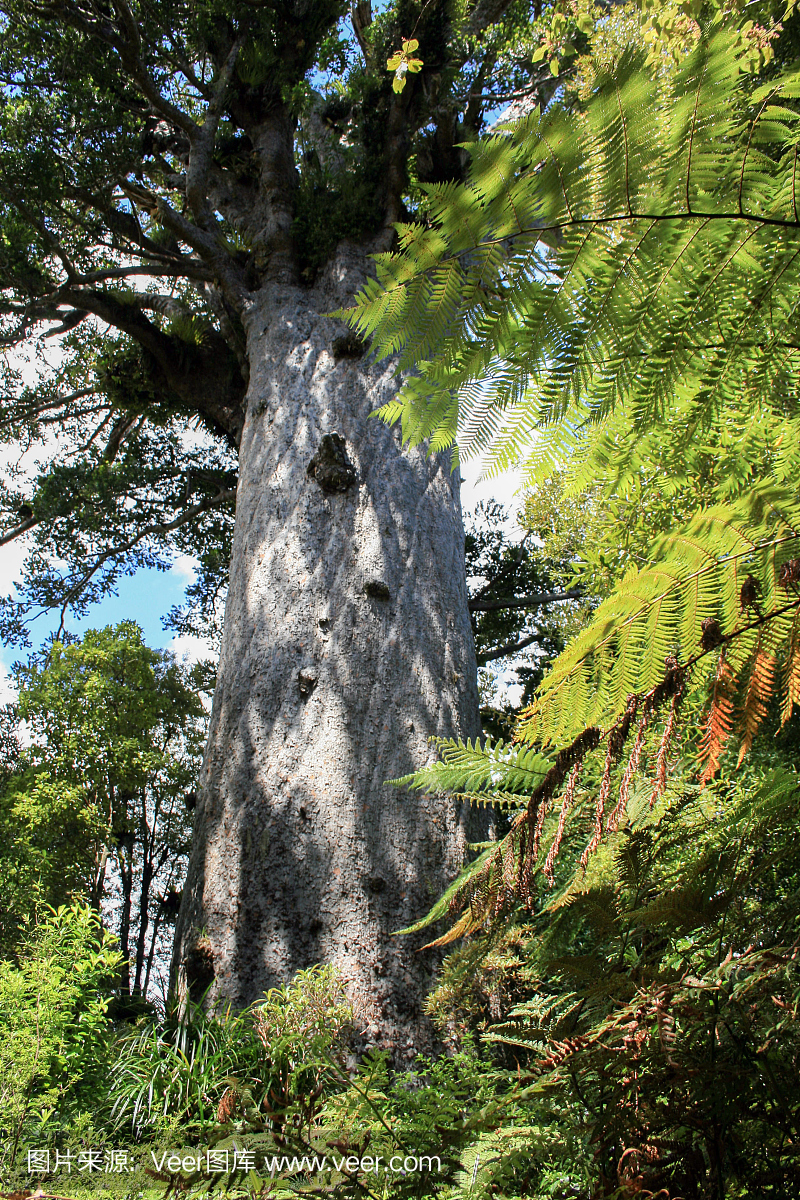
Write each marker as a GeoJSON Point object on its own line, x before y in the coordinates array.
{"type": "Point", "coordinates": [188, 191]}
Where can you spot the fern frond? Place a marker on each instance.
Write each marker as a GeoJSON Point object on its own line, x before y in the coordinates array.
{"type": "Point", "coordinates": [476, 771]}
{"type": "Point", "coordinates": [757, 696]}
{"type": "Point", "coordinates": [719, 721]}
{"type": "Point", "coordinates": [636, 262]}
{"type": "Point", "coordinates": [696, 578]}
{"type": "Point", "coordinates": [791, 673]}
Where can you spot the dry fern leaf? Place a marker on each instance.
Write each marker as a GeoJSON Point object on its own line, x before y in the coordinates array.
{"type": "Point", "coordinates": [791, 673]}
{"type": "Point", "coordinates": [718, 723]}
{"type": "Point", "coordinates": [760, 687]}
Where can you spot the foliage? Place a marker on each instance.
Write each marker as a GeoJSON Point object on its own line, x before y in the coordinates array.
{"type": "Point", "coordinates": [55, 1034]}
{"type": "Point", "coordinates": [274, 1082]}
{"type": "Point", "coordinates": [657, 992]}
{"type": "Point", "coordinates": [653, 192]}
{"type": "Point", "coordinates": [204, 1069]}
{"type": "Point", "coordinates": [612, 294]}
{"type": "Point", "coordinates": [114, 735]}
{"type": "Point", "coordinates": [518, 596]}
{"type": "Point", "coordinates": [430, 1111]}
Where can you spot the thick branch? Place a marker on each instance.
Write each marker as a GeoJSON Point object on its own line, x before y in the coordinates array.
{"type": "Point", "coordinates": [184, 270]}
{"type": "Point", "coordinates": [202, 144]}
{"type": "Point", "coordinates": [510, 648]}
{"type": "Point", "coordinates": [18, 530]}
{"type": "Point", "coordinates": [532, 601]}
{"type": "Point", "coordinates": [206, 378]}
{"type": "Point", "coordinates": [209, 245]}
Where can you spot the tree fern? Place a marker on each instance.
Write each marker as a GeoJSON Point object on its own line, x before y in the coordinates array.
{"type": "Point", "coordinates": [613, 292]}
{"type": "Point", "coordinates": [614, 289]}
{"type": "Point", "coordinates": [640, 252]}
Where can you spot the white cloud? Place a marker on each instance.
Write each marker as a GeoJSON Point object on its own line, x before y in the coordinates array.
{"type": "Point", "coordinates": [7, 690]}
{"type": "Point", "coordinates": [189, 649]}
{"type": "Point", "coordinates": [185, 568]}
{"type": "Point", "coordinates": [12, 556]}
{"type": "Point", "coordinates": [502, 488]}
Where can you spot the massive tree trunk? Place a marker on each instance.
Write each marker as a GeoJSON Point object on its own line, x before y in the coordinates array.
{"type": "Point", "coordinates": [347, 645]}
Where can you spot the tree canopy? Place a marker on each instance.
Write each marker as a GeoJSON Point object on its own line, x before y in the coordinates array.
{"type": "Point", "coordinates": [162, 162]}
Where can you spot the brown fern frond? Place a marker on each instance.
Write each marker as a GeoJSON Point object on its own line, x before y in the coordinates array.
{"type": "Point", "coordinates": [525, 875]}
{"type": "Point", "coordinates": [464, 926]}
{"type": "Point", "coordinates": [664, 749]}
{"type": "Point", "coordinates": [617, 737]}
{"type": "Point", "coordinates": [544, 808]}
{"type": "Point", "coordinates": [791, 674]}
{"type": "Point", "coordinates": [760, 687]}
{"type": "Point", "coordinates": [509, 861]}
{"type": "Point", "coordinates": [718, 722]}
{"type": "Point", "coordinates": [630, 770]}
{"type": "Point", "coordinates": [566, 805]}
{"type": "Point", "coordinates": [599, 811]}
{"type": "Point", "coordinates": [228, 1105]}
{"type": "Point", "coordinates": [789, 573]}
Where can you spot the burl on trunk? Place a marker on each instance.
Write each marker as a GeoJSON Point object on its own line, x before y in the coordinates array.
{"type": "Point", "coordinates": [347, 645]}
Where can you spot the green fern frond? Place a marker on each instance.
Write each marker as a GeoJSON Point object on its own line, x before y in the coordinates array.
{"type": "Point", "coordinates": [634, 261]}
{"type": "Point", "coordinates": [470, 769]}
{"type": "Point", "coordinates": [697, 576]}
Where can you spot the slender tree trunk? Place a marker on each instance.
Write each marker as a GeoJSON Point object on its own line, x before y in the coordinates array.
{"type": "Point", "coordinates": [126, 882]}
{"type": "Point", "coordinates": [347, 645]}
{"type": "Point", "coordinates": [144, 915]}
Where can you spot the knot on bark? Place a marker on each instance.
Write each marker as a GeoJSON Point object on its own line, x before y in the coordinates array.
{"type": "Point", "coordinates": [199, 964]}
{"type": "Point", "coordinates": [376, 589]}
{"type": "Point", "coordinates": [330, 467]}
{"type": "Point", "coordinates": [307, 680]}
{"type": "Point", "coordinates": [348, 345]}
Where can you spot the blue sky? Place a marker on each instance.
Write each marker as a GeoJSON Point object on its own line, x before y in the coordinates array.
{"type": "Point", "coordinates": [145, 597]}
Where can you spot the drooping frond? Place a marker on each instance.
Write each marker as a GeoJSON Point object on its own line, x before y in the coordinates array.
{"type": "Point", "coordinates": [719, 721]}
{"type": "Point", "coordinates": [757, 696]}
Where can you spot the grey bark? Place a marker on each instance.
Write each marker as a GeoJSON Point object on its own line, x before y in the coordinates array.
{"type": "Point", "coordinates": [347, 645]}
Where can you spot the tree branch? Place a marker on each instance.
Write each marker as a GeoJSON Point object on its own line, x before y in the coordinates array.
{"type": "Point", "coordinates": [157, 529]}
{"type": "Point", "coordinates": [18, 530]}
{"type": "Point", "coordinates": [209, 245]}
{"type": "Point", "coordinates": [202, 143]}
{"type": "Point", "coordinates": [510, 648]}
{"type": "Point", "coordinates": [128, 50]}
{"type": "Point", "coordinates": [532, 601]}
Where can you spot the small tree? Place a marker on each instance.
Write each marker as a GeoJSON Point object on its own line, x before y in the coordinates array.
{"type": "Point", "coordinates": [521, 600]}
{"type": "Point", "coordinates": [97, 806]}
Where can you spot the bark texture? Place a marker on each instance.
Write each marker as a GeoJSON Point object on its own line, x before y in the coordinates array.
{"type": "Point", "coordinates": [347, 645]}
